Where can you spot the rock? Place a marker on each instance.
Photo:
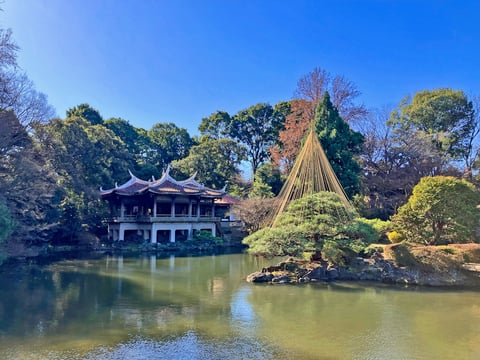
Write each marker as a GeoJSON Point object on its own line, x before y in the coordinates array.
{"type": "Point", "coordinates": [315, 274]}
{"type": "Point", "coordinates": [332, 273]}
{"type": "Point", "coordinates": [258, 277]}
{"type": "Point", "coordinates": [283, 279]}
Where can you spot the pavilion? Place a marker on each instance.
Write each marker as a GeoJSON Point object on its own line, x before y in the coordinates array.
{"type": "Point", "coordinates": [164, 210]}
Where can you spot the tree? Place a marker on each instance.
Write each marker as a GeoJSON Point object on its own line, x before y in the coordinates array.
{"type": "Point", "coordinates": [6, 223]}
{"type": "Point", "coordinates": [27, 183]}
{"type": "Point", "coordinates": [313, 223]}
{"type": "Point", "coordinates": [169, 143]}
{"type": "Point", "coordinates": [340, 143]}
{"type": "Point", "coordinates": [216, 125]}
{"type": "Point", "coordinates": [254, 213]}
{"type": "Point", "coordinates": [8, 49]}
{"type": "Point", "coordinates": [472, 152]}
{"type": "Point", "coordinates": [310, 90]}
{"type": "Point", "coordinates": [216, 162]}
{"type": "Point", "coordinates": [138, 145]}
{"type": "Point", "coordinates": [87, 112]}
{"type": "Point", "coordinates": [17, 91]}
{"type": "Point", "coordinates": [85, 157]}
{"type": "Point", "coordinates": [257, 129]}
{"type": "Point", "coordinates": [392, 164]}
{"type": "Point", "coordinates": [261, 190]}
{"type": "Point", "coordinates": [444, 115]}
{"type": "Point", "coordinates": [441, 210]}
{"type": "Point", "coordinates": [270, 175]}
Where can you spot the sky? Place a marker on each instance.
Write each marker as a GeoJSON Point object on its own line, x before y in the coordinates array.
{"type": "Point", "coordinates": [150, 61]}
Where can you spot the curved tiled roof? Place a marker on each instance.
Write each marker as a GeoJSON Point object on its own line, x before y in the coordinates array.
{"type": "Point", "coordinates": [165, 185]}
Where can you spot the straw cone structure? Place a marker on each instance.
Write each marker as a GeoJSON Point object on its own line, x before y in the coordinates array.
{"type": "Point", "coordinates": [311, 173]}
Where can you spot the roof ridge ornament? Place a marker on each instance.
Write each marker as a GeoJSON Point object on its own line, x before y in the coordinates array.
{"type": "Point", "coordinates": [131, 175]}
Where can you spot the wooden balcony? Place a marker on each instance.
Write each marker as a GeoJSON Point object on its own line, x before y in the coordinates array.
{"type": "Point", "coordinates": [164, 219]}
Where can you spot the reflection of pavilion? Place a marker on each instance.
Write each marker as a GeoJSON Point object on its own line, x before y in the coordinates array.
{"type": "Point", "coordinates": [165, 210]}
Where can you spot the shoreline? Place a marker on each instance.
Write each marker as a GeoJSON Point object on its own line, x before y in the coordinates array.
{"type": "Point", "coordinates": [432, 271]}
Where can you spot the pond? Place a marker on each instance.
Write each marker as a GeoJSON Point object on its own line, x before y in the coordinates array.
{"type": "Point", "coordinates": [119, 307]}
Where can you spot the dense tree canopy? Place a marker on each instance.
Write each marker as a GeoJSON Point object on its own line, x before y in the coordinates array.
{"type": "Point", "coordinates": [216, 162]}
{"type": "Point", "coordinates": [27, 183]}
{"type": "Point", "coordinates": [87, 112]}
{"type": "Point", "coordinates": [257, 129]}
{"type": "Point", "coordinates": [445, 116]}
{"type": "Point", "coordinates": [216, 125]}
{"type": "Point", "coordinates": [169, 143]}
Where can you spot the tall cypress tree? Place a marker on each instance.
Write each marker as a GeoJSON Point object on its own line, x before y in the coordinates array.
{"type": "Point", "coordinates": [340, 143]}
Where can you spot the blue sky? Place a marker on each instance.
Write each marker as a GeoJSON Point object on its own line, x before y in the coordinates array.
{"type": "Point", "coordinates": [151, 61]}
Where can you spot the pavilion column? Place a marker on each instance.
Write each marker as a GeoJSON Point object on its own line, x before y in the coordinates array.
{"type": "Point", "coordinates": [121, 233]}
{"type": "Point", "coordinates": [198, 209]}
{"type": "Point", "coordinates": [172, 235]}
{"type": "Point", "coordinates": [154, 207]}
{"type": "Point", "coordinates": [122, 209]}
{"type": "Point", "coordinates": [189, 208]}
{"type": "Point", "coordinates": [153, 235]}
{"type": "Point", "coordinates": [172, 208]}
{"type": "Point", "coordinates": [213, 209]}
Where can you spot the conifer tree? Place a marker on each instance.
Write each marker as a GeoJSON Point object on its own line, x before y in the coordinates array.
{"type": "Point", "coordinates": [340, 143]}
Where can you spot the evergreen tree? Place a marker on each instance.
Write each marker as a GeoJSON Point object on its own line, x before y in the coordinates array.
{"type": "Point", "coordinates": [340, 143]}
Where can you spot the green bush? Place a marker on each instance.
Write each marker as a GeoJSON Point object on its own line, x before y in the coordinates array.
{"type": "Point", "coordinates": [395, 237]}
{"type": "Point", "coordinates": [334, 253]}
{"type": "Point", "coordinates": [381, 228]}
{"type": "Point", "coordinates": [441, 210]}
{"type": "Point", "coordinates": [206, 236]}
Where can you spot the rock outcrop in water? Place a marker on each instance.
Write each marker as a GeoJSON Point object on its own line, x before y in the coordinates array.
{"type": "Point", "coordinates": [294, 271]}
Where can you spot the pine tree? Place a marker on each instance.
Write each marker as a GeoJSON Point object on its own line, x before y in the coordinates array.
{"type": "Point", "coordinates": [340, 143]}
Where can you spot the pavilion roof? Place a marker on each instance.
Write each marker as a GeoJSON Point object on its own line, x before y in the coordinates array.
{"type": "Point", "coordinates": [165, 185]}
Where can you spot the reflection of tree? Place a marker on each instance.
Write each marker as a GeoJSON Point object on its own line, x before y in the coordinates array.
{"type": "Point", "coordinates": [104, 301]}
{"type": "Point", "coordinates": [80, 305]}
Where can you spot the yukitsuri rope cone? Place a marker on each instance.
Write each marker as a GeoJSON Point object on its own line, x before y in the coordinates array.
{"type": "Point", "coordinates": [311, 173]}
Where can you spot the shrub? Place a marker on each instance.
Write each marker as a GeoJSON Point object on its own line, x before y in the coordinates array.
{"type": "Point", "coordinates": [395, 237]}
{"type": "Point", "coordinates": [381, 228]}
{"type": "Point", "coordinates": [206, 236]}
{"type": "Point", "coordinates": [441, 210]}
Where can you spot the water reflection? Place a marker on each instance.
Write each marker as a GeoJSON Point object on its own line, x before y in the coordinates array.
{"type": "Point", "coordinates": [135, 307]}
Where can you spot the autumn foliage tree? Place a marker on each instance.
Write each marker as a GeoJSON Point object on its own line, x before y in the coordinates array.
{"type": "Point", "coordinates": [310, 90]}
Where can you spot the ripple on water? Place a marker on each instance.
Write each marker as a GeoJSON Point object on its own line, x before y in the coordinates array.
{"type": "Point", "coordinates": [189, 346]}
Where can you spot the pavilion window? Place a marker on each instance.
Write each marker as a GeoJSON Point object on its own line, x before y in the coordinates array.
{"type": "Point", "coordinates": [164, 209]}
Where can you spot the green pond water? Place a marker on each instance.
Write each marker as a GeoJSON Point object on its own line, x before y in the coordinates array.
{"type": "Point", "coordinates": [175, 307]}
